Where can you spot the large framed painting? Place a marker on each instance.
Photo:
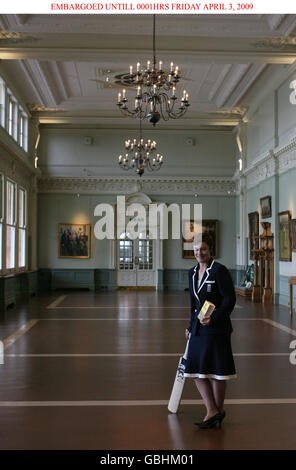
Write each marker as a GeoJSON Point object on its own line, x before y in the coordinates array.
{"type": "Point", "coordinates": [209, 227]}
{"type": "Point", "coordinates": [293, 234]}
{"type": "Point", "coordinates": [253, 232]}
{"type": "Point", "coordinates": [73, 240]}
{"type": "Point", "coordinates": [285, 245]}
{"type": "Point", "coordinates": [265, 205]}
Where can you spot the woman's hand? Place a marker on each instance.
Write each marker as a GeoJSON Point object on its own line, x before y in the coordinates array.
{"type": "Point", "coordinates": [206, 320]}
{"type": "Point", "coordinates": [187, 333]}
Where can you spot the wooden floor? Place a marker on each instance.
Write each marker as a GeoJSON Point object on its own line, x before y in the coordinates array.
{"type": "Point", "coordinates": [95, 371]}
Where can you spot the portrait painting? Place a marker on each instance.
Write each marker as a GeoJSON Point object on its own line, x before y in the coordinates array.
{"type": "Point", "coordinates": [73, 240]}
{"type": "Point", "coordinates": [285, 246]}
{"type": "Point", "coordinates": [253, 232]}
{"type": "Point", "coordinates": [293, 234]}
{"type": "Point", "coordinates": [265, 205]}
{"type": "Point", "coordinates": [191, 236]}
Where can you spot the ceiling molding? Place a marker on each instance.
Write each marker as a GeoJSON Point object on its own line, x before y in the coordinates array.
{"type": "Point", "coordinates": [4, 25]}
{"type": "Point", "coordinates": [126, 185]}
{"type": "Point", "coordinates": [122, 122]}
{"type": "Point", "coordinates": [231, 79]}
{"type": "Point", "coordinates": [245, 25]}
{"type": "Point", "coordinates": [274, 21]}
{"type": "Point", "coordinates": [22, 19]}
{"type": "Point", "coordinates": [246, 82]}
{"type": "Point", "coordinates": [279, 56]}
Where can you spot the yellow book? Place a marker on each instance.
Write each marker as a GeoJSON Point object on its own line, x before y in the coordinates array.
{"type": "Point", "coordinates": [206, 309]}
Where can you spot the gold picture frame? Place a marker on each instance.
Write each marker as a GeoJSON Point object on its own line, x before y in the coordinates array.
{"type": "Point", "coordinates": [253, 232]}
{"type": "Point", "coordinates": [285, 245]}
{"type": "Point", "coordinates": [73, 240]}
{"type": "Point", "coordinates": [265, 206]}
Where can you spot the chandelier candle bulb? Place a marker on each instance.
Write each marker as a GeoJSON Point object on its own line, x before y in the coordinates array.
{"type": "Point", "coordinates": [119, 97]}
{"type": "Point", "coordinates": [148, 64]}
{"type": "Point", "coordinates": [160, 65]}
{"type": "Point", "coordinates": [176, 70]}
{"type": "Point", "coordinates": [138, 66]}
{"type": "Point", "coordinates": [131, 69]}
{"type": "Point", "coordinates": [172, 66]}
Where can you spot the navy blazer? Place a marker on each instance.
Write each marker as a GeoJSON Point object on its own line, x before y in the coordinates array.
{"type": "Point", "coordinates": [216, 287]}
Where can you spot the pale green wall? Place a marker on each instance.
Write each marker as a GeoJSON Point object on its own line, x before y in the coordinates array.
{"type": "Point", "coordinates": [287, 201]}
{"type": "Point", "coordinates": [286, 111]}
{"type": "Point", "coordinates": [271, 124]}
{"type": "Point", "coordinates": [59, 208]}
{"type": "Point", "coordinates": [63, 152]}
{"type": "Point", "coordinates": [260, 131]}
{"type": "Point", "coordinates": [55, 208]}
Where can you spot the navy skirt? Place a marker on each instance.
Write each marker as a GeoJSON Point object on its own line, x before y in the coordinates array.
{"type": "Point", "coordinates": [210, 356]}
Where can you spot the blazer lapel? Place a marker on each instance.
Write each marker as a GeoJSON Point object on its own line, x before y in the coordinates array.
{"type": "Point", "coordinates": [194, 283]}
{"type": "Point", "coordinates": [205, 277]}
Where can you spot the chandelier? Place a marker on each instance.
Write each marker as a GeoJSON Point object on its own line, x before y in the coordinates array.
{"type": "Point", "coordinates": [140, 156]}
{"type": "Point", "coordinates": [156, 91]}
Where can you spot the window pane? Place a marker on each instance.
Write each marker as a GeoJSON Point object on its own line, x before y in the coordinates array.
{"type": "Point", "coordinates": [22, 248]}
{"type": "Point", "coordinates": [21, 131]}
{"type": "Point", "coordinates": [10, 247]}
{"type": "Point", "coordinates": [10, 115]}
{"type": "Point", "coordinates": [25, 144]}
{"type": "Point", "coordinates": [15, 121]}
{"type": "Point", "coordinates": [10, 203]}
{"type": "Point", "coordinates": [2, 102]}
{"type": "Point", "coordinates": [22, 208]}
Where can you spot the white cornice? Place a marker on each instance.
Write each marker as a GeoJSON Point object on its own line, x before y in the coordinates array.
{"type": "Point", "coordinates": [153, 186]}
{"type": "Point", "coordinates": [271, 163]}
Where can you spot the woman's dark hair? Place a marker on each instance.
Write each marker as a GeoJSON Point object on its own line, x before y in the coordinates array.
{"type": "Point", "coordinates": [206, 239]}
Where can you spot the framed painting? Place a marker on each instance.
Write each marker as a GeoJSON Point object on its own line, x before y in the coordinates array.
{"type": "Point", "coordinates": [73, 240]}
{"type": "Point", "coordinates": [265, 206]}
{"type": "Point", "coordinates": [253, 232]}
{"type": "Point", "coordinates": [285, 246]}
{"type": "Point", "coordinates": [209, 228]}
{"type": "Point", "coordinates": [293, 234]}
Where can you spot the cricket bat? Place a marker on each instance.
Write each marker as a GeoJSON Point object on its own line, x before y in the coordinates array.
{"type": "Point", "coordinates": [179, 383]}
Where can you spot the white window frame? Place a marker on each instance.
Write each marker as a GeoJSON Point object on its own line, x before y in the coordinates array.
{"type": "Point", "coordinates": [11, 115]}
{"type": "Point", "coordinates": [13, 224]}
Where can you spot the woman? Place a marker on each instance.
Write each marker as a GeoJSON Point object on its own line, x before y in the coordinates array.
{"type": "Point", "coordinates": [209, 358]}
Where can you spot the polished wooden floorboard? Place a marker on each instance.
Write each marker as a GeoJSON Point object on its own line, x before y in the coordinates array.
{"type": "Point", "coordinates": [61, 364]}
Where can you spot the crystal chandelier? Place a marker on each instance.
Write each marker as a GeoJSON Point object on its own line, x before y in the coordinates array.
{"type": "Point", "coordinates": [156, 91]}
{"type": "Point", "coordinates": [140, 156]}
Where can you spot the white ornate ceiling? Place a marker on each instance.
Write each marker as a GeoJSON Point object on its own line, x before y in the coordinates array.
{"type": "Point", "coordinates": [62, 66]}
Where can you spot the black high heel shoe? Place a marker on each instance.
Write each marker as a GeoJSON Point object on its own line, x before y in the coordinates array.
{"type": "Point", "coordinates": [214, 421]}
